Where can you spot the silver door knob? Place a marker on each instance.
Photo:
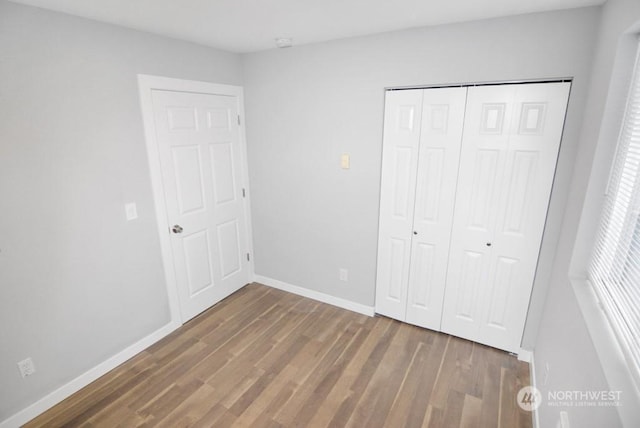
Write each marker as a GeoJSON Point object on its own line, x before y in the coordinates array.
{"type": "Point", "coordinates": [177, 228]}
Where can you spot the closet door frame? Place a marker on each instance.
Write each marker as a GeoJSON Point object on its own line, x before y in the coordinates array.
{"type": "Point", "coordinates": [403, 314]}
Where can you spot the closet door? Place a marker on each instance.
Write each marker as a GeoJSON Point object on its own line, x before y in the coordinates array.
{"type": "Point", "coordinates": [509, 151]}
{"type": "Point", "coordinates": [440, 137]}
{"type": "Point", "coordinates": [402, 117]}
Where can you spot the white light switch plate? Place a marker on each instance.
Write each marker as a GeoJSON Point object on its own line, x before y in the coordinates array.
{"type": "Point", "coordinates": [344, 161]}
{"type": "Point", "coordinates": [131, 210]}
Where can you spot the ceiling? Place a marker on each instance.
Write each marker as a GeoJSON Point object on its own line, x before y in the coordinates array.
{"type": "Point", "coordinates": [253, 25]}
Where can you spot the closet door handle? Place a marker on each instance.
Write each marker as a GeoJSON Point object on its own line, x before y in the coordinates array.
{"type": "Point", "coordinates": [488, 244]}
{"type": "Point", "coordinates": [415, 233]}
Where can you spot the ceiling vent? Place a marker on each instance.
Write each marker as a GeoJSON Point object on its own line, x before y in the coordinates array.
{"type": "Point", "coordinates": [284, 42]}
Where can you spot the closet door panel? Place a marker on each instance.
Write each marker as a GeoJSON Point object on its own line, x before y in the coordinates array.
{"type": "Point", "coordinates": [441, 135]}
{"type": "Point", "coordinates": [534, 142]}
{"type": "Point", "coordinates": [482, 162]}
{"type": "Point", "coordinates": [403, 114]}
{"type": "Point", "coordinates": [510, 146]}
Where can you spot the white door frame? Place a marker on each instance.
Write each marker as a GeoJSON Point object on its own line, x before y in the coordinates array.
{"type": "Point", "coordinates": [146, 84]}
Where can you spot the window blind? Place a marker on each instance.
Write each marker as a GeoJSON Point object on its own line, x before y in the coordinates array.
{"type": "Point", "coordinates": [614, 270]}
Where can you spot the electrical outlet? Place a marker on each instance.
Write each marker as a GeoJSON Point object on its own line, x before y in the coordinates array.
{"type": "Point", "coordinates": [344, 275]}
{"type": "Point", "coordinates": [563, 422]}
{"type": "Point", "coordinates": [545, 376]}
{"type": "Point", "coordinates": [26, 367]}
{"type": "Point", "coordinates": [131, 211]}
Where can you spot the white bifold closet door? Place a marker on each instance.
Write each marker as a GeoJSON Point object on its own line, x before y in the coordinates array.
{"type": "Point", "coordinates": [510, 146]}
{"type": "Point", "coordinates": [466, 180]}
{"type": "Point", "coordinates": [422, 134]}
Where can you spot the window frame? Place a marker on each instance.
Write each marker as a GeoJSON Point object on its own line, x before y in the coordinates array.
{"type": "Point", "coordinates": [613, 252]}
{"type": "Point", "coordinates": [613, 362]}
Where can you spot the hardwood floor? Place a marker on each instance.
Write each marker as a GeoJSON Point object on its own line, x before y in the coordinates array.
{"type": "Point", "coordinates": [266, 358]}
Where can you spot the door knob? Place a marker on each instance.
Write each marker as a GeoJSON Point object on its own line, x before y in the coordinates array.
{"type": "Point", "coordinates": [488, 244]}
{"type": "Point", "coordinates": [415, 233]}
{"type": "Point", "coordinates": [177, 228]}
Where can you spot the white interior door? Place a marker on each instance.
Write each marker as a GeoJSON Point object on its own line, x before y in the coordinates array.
{"type": "Point", "coordinates": [509, 151]}
{"type": "Point", "coordinates": [440, 138]}
{"type": "Point", "coordinates": [199, 149]}
{"type": "Point", "coordinates": [402, 118]}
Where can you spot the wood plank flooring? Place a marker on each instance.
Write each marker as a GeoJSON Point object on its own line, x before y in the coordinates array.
{"type": "Point", "coordinates": [266, 358]}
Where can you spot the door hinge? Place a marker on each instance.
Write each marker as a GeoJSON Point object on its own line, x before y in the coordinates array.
{"type": "Point", "coordinates": [244, 195]}
{"type": "Point", "coordinates": [248, 257]}
{"type": "Point", "coordinates": [238, 120]}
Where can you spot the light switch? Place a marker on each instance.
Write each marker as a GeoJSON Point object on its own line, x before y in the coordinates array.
{"type": "Point", "coordinates": [131, 210]}
{"type": "Point", "coordinates": [344, 161]}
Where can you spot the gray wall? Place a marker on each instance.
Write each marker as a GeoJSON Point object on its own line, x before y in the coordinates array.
{"type": "Point", "coordinates": [564, 342]}
{"type": "Point", "coordinates": [306, 105]}
{"type": "Point", "coordinates": [77, 282]}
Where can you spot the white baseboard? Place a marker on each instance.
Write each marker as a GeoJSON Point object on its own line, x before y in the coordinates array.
{"type": "Point", "coordinates": [316, 295]}
{"type": "Point", "coordinates": [101, 369]}
{"type": "Point", "coordinates": [532, 376]}
{"type": "Point", "coordinates": [85, 379]}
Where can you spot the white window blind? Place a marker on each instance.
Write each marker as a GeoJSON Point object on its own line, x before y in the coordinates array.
{"type": "Point", "coordinates": [614, 270]}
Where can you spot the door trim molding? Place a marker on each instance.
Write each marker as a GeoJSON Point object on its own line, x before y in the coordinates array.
{"type": "Point", "coordinates": [484, 83]}
{"type": "Point", "coordinates": [146, 84]}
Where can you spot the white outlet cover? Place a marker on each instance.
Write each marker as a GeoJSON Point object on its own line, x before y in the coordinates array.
{"type": "Point", "coordinates": [344, 275]}
{"type": "Point", "coordinates": [26, 367]}
{"type": "Point", "coordinates": [564, 420]}
{"type": "Point", "coordinates": [131, 211]}
{"type": "Point", "coordinates": [545, 376]}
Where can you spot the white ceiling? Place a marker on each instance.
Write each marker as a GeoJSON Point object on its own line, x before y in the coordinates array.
{"type": "Point", "coordinates": [252, 25]}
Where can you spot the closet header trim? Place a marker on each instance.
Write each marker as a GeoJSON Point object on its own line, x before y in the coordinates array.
{"type": "Point", "coordinates": [466, 85]}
